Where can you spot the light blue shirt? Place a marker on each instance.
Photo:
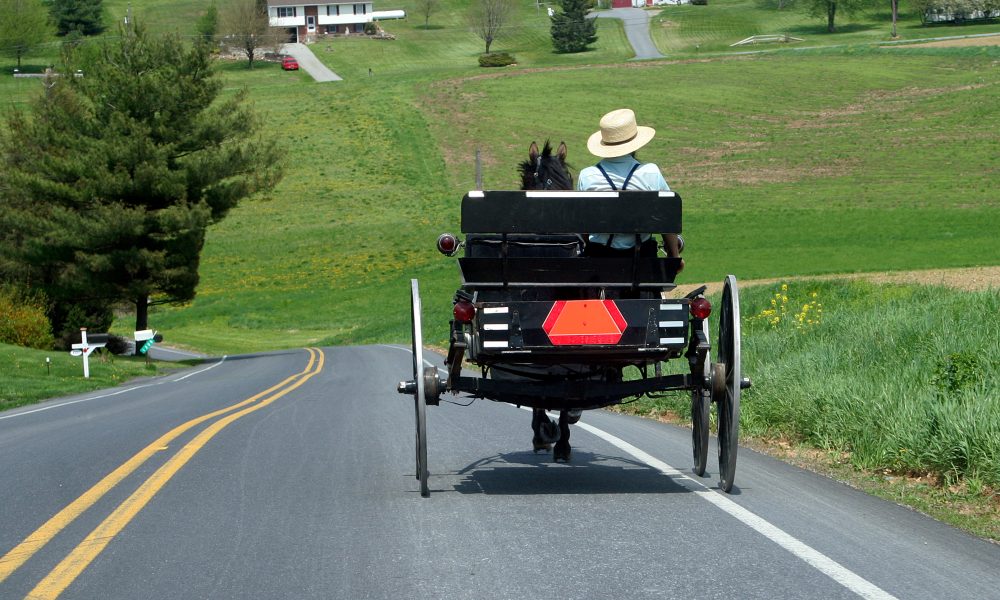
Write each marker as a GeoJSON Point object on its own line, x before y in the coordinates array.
{"type": "Point", "coordinates": [646, 177]}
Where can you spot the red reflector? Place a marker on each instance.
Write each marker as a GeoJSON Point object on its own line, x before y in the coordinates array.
{"type": "Point", "coordinates": [464, 311]}
{"type": "Point", "coordinates": [701, 308]}
{"type": "Point", "coordinates": [447, 244]}
{"type": "Point", "coordinates": [581, 322]}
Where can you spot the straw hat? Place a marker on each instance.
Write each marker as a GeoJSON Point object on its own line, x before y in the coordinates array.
{"type": "Point", "coordinates": [619, 135]}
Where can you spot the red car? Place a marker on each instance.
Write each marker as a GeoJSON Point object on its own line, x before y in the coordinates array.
{"type": "Point", "coordinates": [289, 63]}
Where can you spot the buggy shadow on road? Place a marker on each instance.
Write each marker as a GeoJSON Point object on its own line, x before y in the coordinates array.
{"type": "Point", "coordinates": [525, 473]}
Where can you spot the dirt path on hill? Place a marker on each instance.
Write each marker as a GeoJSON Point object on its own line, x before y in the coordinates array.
{"type": "Point", "coordinates": [972, 278]}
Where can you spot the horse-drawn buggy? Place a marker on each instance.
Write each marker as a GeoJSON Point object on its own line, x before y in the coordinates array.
{"type": "Point", "coordinates": [543, 325]}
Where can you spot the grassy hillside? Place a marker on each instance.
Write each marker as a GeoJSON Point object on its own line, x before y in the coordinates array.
{"type": "Point", "coordinates": [789, 165]}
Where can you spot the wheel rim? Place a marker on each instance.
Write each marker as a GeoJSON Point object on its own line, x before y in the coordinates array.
{"type": "Point", "coordinates": [419, 400]}
{"type": "Point", "coordinates": [728, 406]}
{"type": "Point", "coordinates": [701, 399]}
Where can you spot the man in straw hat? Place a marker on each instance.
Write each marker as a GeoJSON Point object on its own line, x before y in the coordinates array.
{"type": "Point", "coordinates": [616, 143]}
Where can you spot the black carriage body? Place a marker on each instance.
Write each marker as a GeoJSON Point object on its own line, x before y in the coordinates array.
{"type": "Point", "coordinates": [552, 326]}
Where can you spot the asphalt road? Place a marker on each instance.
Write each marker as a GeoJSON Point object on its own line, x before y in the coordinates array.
{"type": "Point", "coordinates": [306, 490]}
{"type": "Point", "coordinates": [636, 22]}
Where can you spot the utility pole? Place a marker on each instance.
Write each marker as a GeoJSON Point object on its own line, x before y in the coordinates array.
{"type": "Point", "coordinates": [479, 171]}
{"type": "Point", "coordinates": [895, 12]}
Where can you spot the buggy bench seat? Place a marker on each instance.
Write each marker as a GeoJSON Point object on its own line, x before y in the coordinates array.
{"type": "Point", "coordinates": [519, 238]}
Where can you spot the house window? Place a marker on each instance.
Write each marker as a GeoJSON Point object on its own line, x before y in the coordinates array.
{"type": "Point", "coordinates": [360, 9]}
{"type": "Point", "coordinates": [286, 11]}
{"type": "Point", "coordinates": [332, 11]}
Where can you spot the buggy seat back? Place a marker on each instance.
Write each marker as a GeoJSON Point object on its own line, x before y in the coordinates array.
{"type": "Point", "coordinates": [534, 238]}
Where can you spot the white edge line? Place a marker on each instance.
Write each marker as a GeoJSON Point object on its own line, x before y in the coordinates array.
{"type": "Point", "coordinates": [816, 559]}
{"type": "Point", "coordinates": [408, 351]}
{"type": "Point", "coordinates": [208, 368]}
{"type": "Point", "coordinates": [114, 393]}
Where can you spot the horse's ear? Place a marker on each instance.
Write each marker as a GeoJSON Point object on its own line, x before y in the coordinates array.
{"type": "Point", "coordinates": [533, 151]}
{"type": "Point", "coordinates": [561, 152]}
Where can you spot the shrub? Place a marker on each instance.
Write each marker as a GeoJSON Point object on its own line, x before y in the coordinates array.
{"type": "Point", "coordinates": [371, 28]}
{"type": "Point", "coordinates": [22, 319]}
{"type": "Point", "coordinates": [700, 2]}
{"type": "Point", "coordinates": [95, 315]}
{"type": "Point", "coordinates": [496, 59]}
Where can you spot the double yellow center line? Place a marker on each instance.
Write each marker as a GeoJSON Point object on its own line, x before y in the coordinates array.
{"type": "Point", "coordinates": [81, 556]}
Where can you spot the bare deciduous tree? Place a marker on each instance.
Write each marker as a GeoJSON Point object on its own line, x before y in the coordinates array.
{"type": "Point", "coordinates": [425, 8]}
{"type": "Point", "coordinates": [245, 26]}
{"type": "Point", "coordinates": [489, 18]}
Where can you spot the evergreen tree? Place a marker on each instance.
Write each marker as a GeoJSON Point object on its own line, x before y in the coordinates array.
{"type": "Point", "coordinates": [208, 24]}
{"type": "Point", "coordinates": [84, 16]}
{"type": "Point", "coordinates": [572, 31]}
{"type": "Point", "coordinates": [114, 178]}
{"type": "Point", "coordinates": [24, 24]}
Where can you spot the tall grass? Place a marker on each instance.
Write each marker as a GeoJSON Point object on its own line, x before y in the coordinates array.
{"type": "Point", "coordinates": [902, 378]}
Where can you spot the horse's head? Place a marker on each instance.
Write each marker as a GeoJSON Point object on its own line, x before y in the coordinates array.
{"type": "Point", "coordinates": [545, 171]}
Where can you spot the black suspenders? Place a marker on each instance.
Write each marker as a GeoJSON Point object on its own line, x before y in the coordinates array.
{"type": "Point", "coordinates": [628, 178]}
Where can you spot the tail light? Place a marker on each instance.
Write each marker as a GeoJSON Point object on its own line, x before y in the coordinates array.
{"type": "Point", "coordinates": [701, 308]}
{"type": "Point", "coordinates": [447, 244]}
{"type": "Point", "coordinates": [464, 311]}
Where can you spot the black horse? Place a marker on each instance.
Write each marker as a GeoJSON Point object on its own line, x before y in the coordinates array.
{"type": "Point", "coordinates": [547, 171]}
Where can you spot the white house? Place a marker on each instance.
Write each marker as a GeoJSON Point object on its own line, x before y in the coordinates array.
{"type": "Point", "coordinates": [305, 21]}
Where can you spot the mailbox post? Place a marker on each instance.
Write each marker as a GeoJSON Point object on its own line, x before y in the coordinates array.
{"type": "Point", "coordinates": [148, 337]}
{"type": "Point", "coordinates": [84, 348]}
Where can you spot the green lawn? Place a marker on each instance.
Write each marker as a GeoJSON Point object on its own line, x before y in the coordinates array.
{"type": "Point", "coordinates": [686, 28]}
{"type": "Point", "coordinates": [28, 378]}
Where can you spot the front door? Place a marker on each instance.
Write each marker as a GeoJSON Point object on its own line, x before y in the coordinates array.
{"type": "Point", "coordinates": [311, 24]}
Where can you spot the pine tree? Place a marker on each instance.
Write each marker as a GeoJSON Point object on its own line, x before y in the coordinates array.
{"type": "Point", "coordinates": [84, 16]}
{"type": "Point", "coordinates": [114, 178]}
{"type": "Point", "coordinates": [572, 31]}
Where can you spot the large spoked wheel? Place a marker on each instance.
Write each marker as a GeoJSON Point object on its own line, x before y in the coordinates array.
{"type": "Point", "coordinates": [727, 380]}
{"type": "Point", "coordinates": [701, 399]}
{"type": "Point", "coordinates": [419, 400]}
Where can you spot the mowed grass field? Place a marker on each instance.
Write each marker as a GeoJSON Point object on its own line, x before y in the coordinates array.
{"type": "Point", "coordinates": [788, 165]}
{"type": "Point", "coordinates": [847, 157]}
